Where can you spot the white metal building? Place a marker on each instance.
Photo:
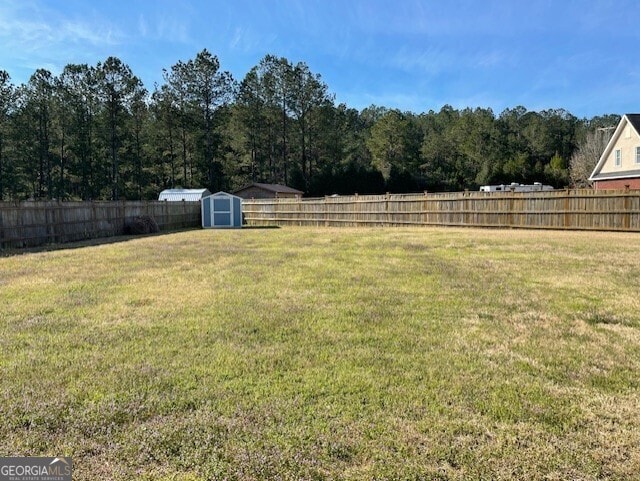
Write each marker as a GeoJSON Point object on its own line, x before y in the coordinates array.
{"type": "Point", "coordinates": [515, 187]}
{"type": "Point", "coordinates": [188, 195]}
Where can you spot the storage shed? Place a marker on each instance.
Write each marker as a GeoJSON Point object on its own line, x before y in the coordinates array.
{"type": "Point", "coordinates": [221, 210]}
{"type": "Point", "coordinates": [188, 195]}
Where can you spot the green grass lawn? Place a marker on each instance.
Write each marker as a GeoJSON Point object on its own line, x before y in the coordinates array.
{"type": "Point", "coordinates": [305, 353]}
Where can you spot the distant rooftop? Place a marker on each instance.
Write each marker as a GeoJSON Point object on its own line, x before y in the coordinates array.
{"type": "Point", "coordinates": [278, 188]}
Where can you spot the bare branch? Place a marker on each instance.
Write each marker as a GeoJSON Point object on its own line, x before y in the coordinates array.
{"type": "Point", "coordinates": [585, 158]}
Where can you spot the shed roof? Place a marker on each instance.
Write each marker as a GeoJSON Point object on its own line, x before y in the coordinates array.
{"type": "Point", "coordinates": [277, 188]}
{"type": "Point", "coordinates": [183, 194]}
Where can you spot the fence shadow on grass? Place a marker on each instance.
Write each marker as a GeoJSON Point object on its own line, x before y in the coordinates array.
{"type": "Point", "coordinates": [16, 251]}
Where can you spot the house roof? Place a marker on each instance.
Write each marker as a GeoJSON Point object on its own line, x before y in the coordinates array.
{"type": "Point", "coordinates": [616, 175]}
{"type": "Point", "coordinates": [277, 188]}
{"type": "Point", "coordinates": [634, 121]}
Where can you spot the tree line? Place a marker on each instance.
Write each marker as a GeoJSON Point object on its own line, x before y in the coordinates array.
{"type": "Point", "coordinates": [96, 132]}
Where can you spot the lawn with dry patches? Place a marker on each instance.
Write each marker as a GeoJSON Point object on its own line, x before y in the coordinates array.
{"type": "Point", "coordinates": [304, 353]}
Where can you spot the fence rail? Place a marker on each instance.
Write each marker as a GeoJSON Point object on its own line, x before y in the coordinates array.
{"type": "Point", "coordinates": [584, 209]}
{"type": "Point", "coordinates": [28, 224]}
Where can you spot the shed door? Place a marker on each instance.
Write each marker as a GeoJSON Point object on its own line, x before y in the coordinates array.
{"type": "Point", "coordinates": [206, 213]}
{"type": "Point", "coordinates": [237, 213]}
{"type": "Point", "coordinates": [222, 211]}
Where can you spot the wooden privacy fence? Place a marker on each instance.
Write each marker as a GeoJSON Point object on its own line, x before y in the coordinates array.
{"type": "Point", "coordinates": [563, 209]}
{"type": "Point", "coordinates": [27, 224]}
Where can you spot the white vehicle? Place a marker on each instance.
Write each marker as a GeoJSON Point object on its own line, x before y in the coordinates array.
{"type": "Point", "coordinates": [515, 187]}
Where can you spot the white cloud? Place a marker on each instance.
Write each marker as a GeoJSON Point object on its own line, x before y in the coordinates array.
{"type": "Point", "coordinates": [244, 40]}
{"type": "Point", "coordinates": [491, 59]}
{"type": "Point", "coordinates": [436, 60]}
{"type": "Point", "coordinates": [237, 37]}
{"type": "Point", "coordinates": [33, 35]}
{"type": "Point", "coordinates": [95, 34]}
{"type": "Point", "coordinates": [142, 26]}
{"type": "Point", "coordinates": [405, 102]}
{"type": "Point", "coordinates": [431, 60]}
{"type": "Point", "coordinates": [173, 29]}
{"type": "Point", "coordinates": [32, 27]}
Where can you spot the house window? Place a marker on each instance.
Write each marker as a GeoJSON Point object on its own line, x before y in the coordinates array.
{"type": "Point", "coordinates": [637, 155]}
{"type": "Point", "coordinates": [618, 155]}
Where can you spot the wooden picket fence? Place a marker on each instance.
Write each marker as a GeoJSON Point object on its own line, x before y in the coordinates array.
{"type": "Point", "coordinates": [27, 224]}
{"type": "Point", "coordinates": [584, 209]}
{"type": "Point", "coordinates": [34, 223]}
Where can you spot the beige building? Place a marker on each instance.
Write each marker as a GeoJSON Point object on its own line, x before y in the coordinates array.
{"type": "Point", "coordinates": [267, 191]}
{"type": "Point", "coordinates": [619, 165]}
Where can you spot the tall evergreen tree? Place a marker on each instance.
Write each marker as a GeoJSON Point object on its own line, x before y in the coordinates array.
{"type": "Point", "coordinates": [81, 95]}
{"type": "Point", "coordinates": [164, 137]}
{"type": "Point", "coordinates": [308, 94]}
{"type": "Point", "coordinates": [117, 87]}
{"type": "Point", "coordinates": [208, 90]}
{"type": "Point", "coordinates": [177, 92]}
{"type": "Point", "coordinates": [7, 105]}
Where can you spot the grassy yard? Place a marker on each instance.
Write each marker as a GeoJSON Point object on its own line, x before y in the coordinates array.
{"type": "Point", "coordinates": [304, 353]}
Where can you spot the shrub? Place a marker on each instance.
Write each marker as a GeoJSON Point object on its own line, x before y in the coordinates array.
{"type": "Point", "coordinates": [140, 224]}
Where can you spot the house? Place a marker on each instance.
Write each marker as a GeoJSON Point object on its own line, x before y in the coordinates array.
{"type": "Point", "coordinates": [221, 210]}
{"type": "Point", "coordinates": [188, 195]}
{"type": "Point", "coordinates": [619, 164]}
{"type": "Point", "coordinates": [267, 191]}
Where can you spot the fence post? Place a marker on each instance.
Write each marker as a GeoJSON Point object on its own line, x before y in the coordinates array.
{"type": "Point", "coordinates": [511, 206]}
{"type": "Point", "coordinates": [425, 204]}
{"type": "Point", "coordinates": [276, 209]}
{"type": "Point", "coordinates": [465, 207]}
{"type": "Point", "coordinates": [123, 210]}
{"type": "Point", "coordinates": [356, 211]}
{"type": "Point", "coordinates": [92, 223]}
{"type": "Point", "coordinates": [387, 216]}
{"type": "Point", "coordinates": [49, 219]}
{"type": "Point", "coordinates": [325, 211]}
{"type": "Point", "coordinates": [20, 223]}
{"type": "Point", "coordinates": [626, 220]}
{"type": "Point", "coordinates": [59, 228]}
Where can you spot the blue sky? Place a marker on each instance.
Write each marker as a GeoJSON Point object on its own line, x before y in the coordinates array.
{"type": "Point", "coordinates": [580, 55]}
